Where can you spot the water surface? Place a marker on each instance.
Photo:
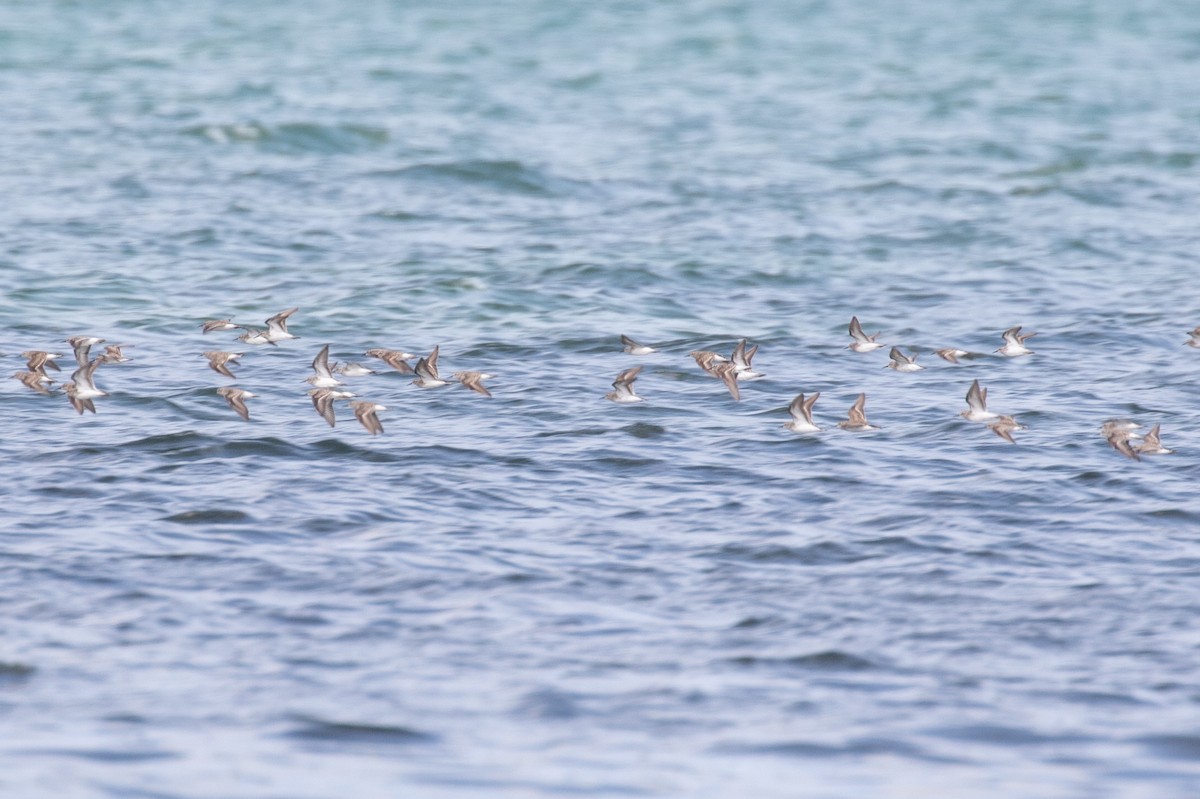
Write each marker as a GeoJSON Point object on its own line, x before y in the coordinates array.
{"type": "Point", "coordinates": [546, 594]}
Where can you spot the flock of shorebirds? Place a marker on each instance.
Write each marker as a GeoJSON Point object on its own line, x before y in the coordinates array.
{"type": "Point", "coordinates": [82, 390]}
{"type": "Point", "coordinates": [327, 388]}
{"type": "Point", "coordinates": [1121, 434]}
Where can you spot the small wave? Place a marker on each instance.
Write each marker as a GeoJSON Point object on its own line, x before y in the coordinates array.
{"type": "Point", "coordinates": [15, 672]}
{"type": "Point", "coordinates": [1175, 747]}
{"type": "Point", "coordinates": [210, 516]}
{"type": "Point", "coordinates": [106, 755]}
{"type": "Point", "coordinates": [294, 137]}
{"type": "Point", "coordinates": [829, 660]}
{"type": "Point", "coordinates": [315, 729]}
{"type": "Point", "coordinates": [192, 446]}
{"type": "Point", "coordinates": [549, 704]}
{"type": "Point", "coordinates": [855, 748]}
{"type": "Point", "coordinates": [1002, 736]}
{"type": "Point", "coordinates": [645, 430]}
{"type": "Point", "coordinates": [504, 176]}
{"type": "Point", "coordinates": [335, 446]}
{"type": "Point", "coordinates": [820, 553]}
{"type": "Point", "coordinates": [621, 462]}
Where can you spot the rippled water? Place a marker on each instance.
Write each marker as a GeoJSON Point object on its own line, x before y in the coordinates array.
{"type": "Point", "coordinates": [546, 594]}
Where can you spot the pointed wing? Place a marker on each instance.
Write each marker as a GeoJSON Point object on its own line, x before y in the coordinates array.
{"type": "Point", "coordinates": [323, 402]}
{"type": "Point", "coordinates": [624, 381]}
{"type": "Point", "coordinates": [1121, 444]}
{"type": "Point", "coordinates": [739, 356]}
{"type": "Point", "coordinates": [278, 322]}
{"type": "Point", "coordinates": [320, 363]}
{"type": "Point", "coordinates": [808, 405]}
{"type": "Point", "coordinates": [1151, 440]}
{"type": "Point", "coordinates": [856, 331]}
{"type": "Point", "coordinates": [1004, 431]}
{"type": "Point", "coordinates": [78, 404]}
{"type": "Point", "coordinates": [365, 413]}
{"type": "Point", "coordinates": [238, 403]}
{"type": "Point", "coordinates": [84, 376]}
{"type": "Point", "coordinates": [858, 413]}
{"type": "Point", "coordinates": [218, 361]}
{"type": "Point", "coordinates": [796, 408]}
{"type": "Point", "coordinates": [976, 399]}
{"type": "Point", "coordinates": [82, 348]}
{"type": "Point", "coordinates": [431, 363]}
{"type": "Point", "coordinates": [472, 381]}
{"type": "Point", "coordinates": [728, 374]}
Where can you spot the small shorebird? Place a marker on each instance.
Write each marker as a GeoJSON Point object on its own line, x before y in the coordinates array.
{"type": "Point", "coordinates": [474, 381]}
{"type": "Point", "coordinates": [277, 326]}
{"type": "Point", "coordinates": [34, 380]}
{"type": "Point", "coordinates": [324, 376]}
{"type": "Point", "coordinates": [322, 400]}
{"type": "Point", "coordinates": [365, 412]}
{"type": "Point", "coordinates": [1014, 342]}
{"type": "Point", "coordinates": [1151, 445]}
{"type": "Point", "coordinates": [1118, 432]}
{"type": "Point", "coordinates": [903, 363]}
{"type": "Point", "coordinates": [255, 336]}
{"type": "Point", "coordinates": [83, 345]}
{"type": "Point", "coordinates": [862, 342]}
{"type": "Point", "coordinates": [1004, 426]}
{"type": "Point", "coordinates": [219, 361]}
{"type": "Point", "coordinates": [79, 403]}
{"type": "Point", "coordinates": [977, 405]}
{"type": "Point", "coordinates": [83, 381]}
{"type": "Point", "coordinates": [113, 354]}
{"type": "Point", "coordinates": [741, 359]}
{"type": "Point", "coordinates": [623, 386]}
{"type": "Point", "coordinates": [393, 358]}
{"type": "Point", "coordinates": [214, 325]}
{"type": "Point", "coordinates": [801, 411]}
{"type": "Point", "coordinates": [706, 359]}
{"type": "Point", "coordinates": [951, 354]}
{"type": "Point", "coordinates": [236, 398]}
{"type": "Point", "coordinates": [353, 370]}
{"type": "Point", "coordinates": [39, 361]}
{"type": "Point", "coordinates": [634, 348]}
{"type": "Point", "coordinates": [427, 371]}
{"type": "Point", "coordinates": [856, 419]}
{"type": "Point", "coordinates": [1194, 341]}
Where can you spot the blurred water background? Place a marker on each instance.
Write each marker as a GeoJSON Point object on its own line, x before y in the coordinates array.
{"type": "Point", "coordinates": [543, 593]}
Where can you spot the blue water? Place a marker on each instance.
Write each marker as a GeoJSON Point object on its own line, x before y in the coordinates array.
{"type": "Point", "coordinates": [544, 593]}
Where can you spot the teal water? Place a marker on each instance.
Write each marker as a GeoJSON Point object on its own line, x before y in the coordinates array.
{"type": "Point", "coordinates": [543, 593]}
